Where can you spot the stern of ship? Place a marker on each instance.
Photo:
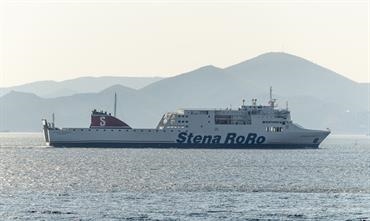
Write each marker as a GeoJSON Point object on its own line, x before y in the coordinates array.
{"type": "Point", "coordinates": [45, 128]}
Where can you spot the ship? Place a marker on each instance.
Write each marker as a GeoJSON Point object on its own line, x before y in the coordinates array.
{"type": "Point", "coordinates": [249, 126]}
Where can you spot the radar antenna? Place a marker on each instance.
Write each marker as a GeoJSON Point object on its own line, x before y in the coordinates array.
{"type": "Point", "coordinates": [254, 101]}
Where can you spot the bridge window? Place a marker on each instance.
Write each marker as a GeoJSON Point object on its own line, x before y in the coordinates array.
{"type": "Point", "coordinates": [222, 119]}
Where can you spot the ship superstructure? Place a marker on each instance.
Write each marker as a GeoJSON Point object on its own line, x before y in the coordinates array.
{"type": "Point", "coordinates": [249, 126]}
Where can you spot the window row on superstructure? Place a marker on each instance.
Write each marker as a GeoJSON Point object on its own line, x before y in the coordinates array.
{"type": "Point", "coordinates": [275, 122]}
{"type": "Point", "coordinates": [274, 129]}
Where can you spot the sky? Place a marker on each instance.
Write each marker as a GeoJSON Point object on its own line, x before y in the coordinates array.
{"type": "Point", "coordinates": [58, 40]}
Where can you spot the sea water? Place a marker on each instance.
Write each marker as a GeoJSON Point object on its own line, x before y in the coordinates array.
{"type": "Point", "coordinates": [44, 183]}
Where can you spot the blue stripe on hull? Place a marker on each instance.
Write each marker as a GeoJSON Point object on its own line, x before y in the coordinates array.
{"type": "Point", "coordinates": [177, 145]}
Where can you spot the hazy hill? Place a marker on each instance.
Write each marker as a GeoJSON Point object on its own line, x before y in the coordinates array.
{"type": "Point", "coordinates": [50, 89]}
{"type": "Point", "coordinates": [318, 97]}
{"type": "Point", "coordinates": [202, 87]}
{"type": "Point", "coordinates": [292, 75]}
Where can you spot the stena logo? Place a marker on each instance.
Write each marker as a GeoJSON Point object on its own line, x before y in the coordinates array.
{"type": "Point", "coordinates": [231, 138]}
{"type": "Point", "coordinates": [102, 121]}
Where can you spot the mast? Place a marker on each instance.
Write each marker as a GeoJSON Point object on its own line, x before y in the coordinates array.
{"type": "Point", "coordinates": [270, 93]}
{"type": "Point", "coordinates": [115, 104]}
{"type": "Point", "coordinates": [271, 101]}
{"type": "Point", "coordinates": [53, 120]}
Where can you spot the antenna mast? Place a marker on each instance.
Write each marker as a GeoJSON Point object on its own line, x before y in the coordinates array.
{"type": "Point", "coordinates": [270, 93]}
{"type": "Point", "coordinates": [115, 104]}
{"type": "Point", "coordinates": [53, 120]}
{"type": "Point", "coordinates": [272, 101]}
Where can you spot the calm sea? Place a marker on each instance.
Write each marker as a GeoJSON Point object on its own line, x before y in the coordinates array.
{"type": "Point", "coordinates": [43, 183]}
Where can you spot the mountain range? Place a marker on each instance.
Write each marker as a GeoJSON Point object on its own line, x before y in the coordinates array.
{"type": "Point", "coordinates": [318, 97]}
{"type": "Point", "coordinates": [51, 89]}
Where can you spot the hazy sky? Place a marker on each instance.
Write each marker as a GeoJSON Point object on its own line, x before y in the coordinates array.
{"type": "Point", "coordinates": [57, 40]}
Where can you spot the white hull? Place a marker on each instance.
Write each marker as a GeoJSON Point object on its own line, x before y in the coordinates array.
{"type": "Point", "coordinates": [87, 137]}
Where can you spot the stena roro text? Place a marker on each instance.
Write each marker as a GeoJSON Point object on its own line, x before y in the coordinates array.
{"type": "Point", "coordinates": [250, 126]}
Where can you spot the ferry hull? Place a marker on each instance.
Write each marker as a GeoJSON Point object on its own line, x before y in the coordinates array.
{"type": "Point", "coordinates": [152, 138]}
{"type": "Point", "coordinates": [182, 146]}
